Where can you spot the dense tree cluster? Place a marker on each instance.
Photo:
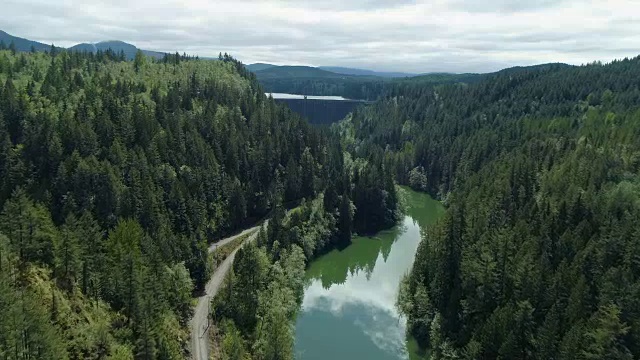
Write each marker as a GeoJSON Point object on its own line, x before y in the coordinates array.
{"type": "Point", "coordinates": [114, 177]}
{"type": "Point", "coordinates": [321, 112]}
{"type": "Point", "coordinates": [536, 256]}
{"type": "Point", "coordinates": [354, 87]}
{"type": "Point", "coordinates": [264, 289]}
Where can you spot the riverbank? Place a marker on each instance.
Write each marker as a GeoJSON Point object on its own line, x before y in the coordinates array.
{"type": "Point", "coordinates": [350, 294]}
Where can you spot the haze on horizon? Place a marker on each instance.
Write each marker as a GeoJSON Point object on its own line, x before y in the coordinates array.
{"type": "Point", "coordinates": [409, 36]}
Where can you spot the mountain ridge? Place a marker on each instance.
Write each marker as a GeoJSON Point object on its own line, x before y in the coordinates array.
{"type": "Point", "coordinates": [299, 71]}
{"type": "Point", "coordinates": [366, 72]}
{"type": "Point", "coordinates": [130, 50]}
{"type": "Point", "coordinates": [22, 44]}
{"type": "Point", "coordinates": [339, 70]}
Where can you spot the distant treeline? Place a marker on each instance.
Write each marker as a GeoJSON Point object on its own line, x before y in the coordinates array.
{"type": "Point", "coordinates": [321, 112]}
{"type": "Point", "coordinates": [349, 86]}
{"type": "Point", "coordinates": [114, 177]}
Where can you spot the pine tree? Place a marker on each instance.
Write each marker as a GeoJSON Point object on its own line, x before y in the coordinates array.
{"type": "Point", "coordinates": [139, 60]}
{"type": "Point", "coordinates": [68, 254]}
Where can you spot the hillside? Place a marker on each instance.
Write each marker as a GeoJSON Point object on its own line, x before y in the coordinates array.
{"type": "Point", "coordinates": [314, 81]}
{"type": "Point", "coordinates": [117, 46]}
{"type": "Point", "coordinates": [110, 194]}
{"type": "Point", "coordinates": [364, 72]}
{"type": "Point", "coordinates": [442, 78]}
{"type": "Point", "coordinates": [333, 69]}
{"type": "Point", "coordinates": [258, 66]}
{"type": "Point", "coordinates": [115, 176]}
{"type": "Point", "coordinates": [535, 255]}
{"type": "Point", "coordinates": [129, 50]}
{"type": "Point", "coordinates": [309, 80]}
{"type": "Point", "coordinates": [21, 43]}
{"type": "Point", "coordinates": [296, 72]}
{"type": "Point", "coordinates": [84, 47]}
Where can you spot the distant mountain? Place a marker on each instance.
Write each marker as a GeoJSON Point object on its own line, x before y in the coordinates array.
{"type": "Point", "coordinates": [21, 43]}
{"type": "Point", "coordinates": [84, 47]}
{"type": "Point", "coordinates": [364, 72]}
{"type": "Point", "coordinates": [259, 66]}
{"type": "Point", "coordinates": [117, 46]}
{"type": "Point", "coordinates": [310, 71]}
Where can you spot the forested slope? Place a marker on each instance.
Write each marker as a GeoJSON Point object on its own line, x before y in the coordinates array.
{"type": "Point", "coordinates": [114, 176]}
{"type": "Point", "coordinates": [306, 80]}
{"type": "Point", "coordinates": [537, 256]}
{"type": "Point", "coordinates": [255, 309]}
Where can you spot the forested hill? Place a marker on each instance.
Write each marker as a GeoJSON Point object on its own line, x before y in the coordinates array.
{"type": "Point", "coordinates": [21, 44]}
{"type": "Point", "coordinates": [307, 80]}
{"type": "Point", "coordinates": [114, 176]}
{"type": "Point", "coordinates": [361, 72]}
{"type": "Point", "coordinates": [537, 256]}
{"type": "Point", "coordinates": [360, 85]}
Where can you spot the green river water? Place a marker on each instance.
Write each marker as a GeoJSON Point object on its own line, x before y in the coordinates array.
{"type": "Point", "coordinates": [348, 311]}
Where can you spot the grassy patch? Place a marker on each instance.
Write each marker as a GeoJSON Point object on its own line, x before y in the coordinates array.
{"type": "Point", "coordinates": [217, 256]}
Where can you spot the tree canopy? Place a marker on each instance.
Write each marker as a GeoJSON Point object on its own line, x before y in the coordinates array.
{"type": "Point", "coordinates": [115, 176]}
{"type": "Point", "coordinates": [536, 255]}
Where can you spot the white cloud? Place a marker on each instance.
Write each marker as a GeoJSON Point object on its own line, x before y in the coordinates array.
{"type": "Point", "coordinates": [372, 296]}
{"type": "Point", "coordinates": [418, 36]}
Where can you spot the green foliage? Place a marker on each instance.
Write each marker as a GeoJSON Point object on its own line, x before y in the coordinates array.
{"type": "Point", "coordinates": [29, 228]}
{"type": "Point", "coordinates": [605, 338]}
{"type": "Point", "coordinates": [375, 198]}
{"type": "Point", "coordinates": [138, 61]}
{"type": "Point", "coordinates": [115, 176]}
{"type": "Point", "coordinates": [538, 167]}
{"type": "Point", "coordinates": [314, 81]}
{"type": "Point", "coordinates": [417, 179]}
{"type": "Point", "coordinates": [26, 332]}
{"type": "Point", "coordinates": [265, 288]}
{"type": "Point", "coordinates": [179, 287]}
{"type": "Point", "coordinates": [233, 347]}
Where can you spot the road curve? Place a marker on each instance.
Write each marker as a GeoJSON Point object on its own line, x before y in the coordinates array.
{"type": "Point", "coordinates": [198, 324]}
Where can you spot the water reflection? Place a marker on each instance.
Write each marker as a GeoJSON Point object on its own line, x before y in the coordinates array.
{"type": "Point", "coordinates": [349, 304]}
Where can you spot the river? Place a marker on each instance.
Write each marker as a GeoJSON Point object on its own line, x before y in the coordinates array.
{"type": "Point", "coordinates": [348, 310]}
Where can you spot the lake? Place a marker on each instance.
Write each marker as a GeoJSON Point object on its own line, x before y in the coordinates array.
{"type": "Point", "coordinates": [348, 310]}
{"type": "Point", "coordinates": [318, 110]}
{"type": "Point", "coordinates": [309, 97]}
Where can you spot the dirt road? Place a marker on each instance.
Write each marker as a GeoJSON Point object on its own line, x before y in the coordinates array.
{"type": "Point", "coordinates": [199, 328]}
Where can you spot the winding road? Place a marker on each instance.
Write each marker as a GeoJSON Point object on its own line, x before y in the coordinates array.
{"type": "Point", "coordinates": [198, 325]}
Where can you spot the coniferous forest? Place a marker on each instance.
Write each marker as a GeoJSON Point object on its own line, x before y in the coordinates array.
{"type": "Point", "coordinates": [537, 256]}
{"type": "Point", "coordinates": [115, 176]}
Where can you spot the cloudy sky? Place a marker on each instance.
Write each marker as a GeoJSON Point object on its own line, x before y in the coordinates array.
{"type": "Point", "coordinates": [399, 35]}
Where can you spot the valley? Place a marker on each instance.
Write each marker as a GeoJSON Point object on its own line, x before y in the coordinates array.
{"type": "Point", "coordinates": [159, 206]}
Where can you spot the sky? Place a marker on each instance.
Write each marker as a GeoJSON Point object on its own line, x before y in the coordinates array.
{"type": "Point", "coordinates": [385, 35]}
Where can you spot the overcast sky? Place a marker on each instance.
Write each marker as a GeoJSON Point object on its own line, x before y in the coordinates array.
{"type": "Point", "coordinates": [400, 35]}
